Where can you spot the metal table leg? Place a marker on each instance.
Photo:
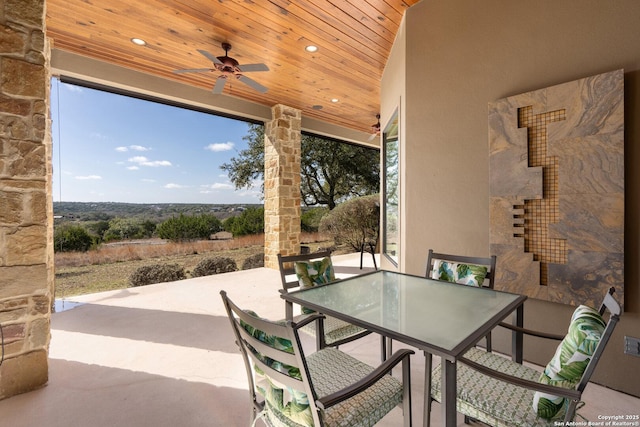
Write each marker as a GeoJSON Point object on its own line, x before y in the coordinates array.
{"type": "Point", "coordinates": [426, 411]}
{"type": "Point", "coordinates": [449, 393]}
{"type": "Point", "coordinates": [517, 338]}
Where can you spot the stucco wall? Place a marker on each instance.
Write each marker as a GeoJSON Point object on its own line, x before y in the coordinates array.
{"type": "Point", "coordinates": [461, 55]}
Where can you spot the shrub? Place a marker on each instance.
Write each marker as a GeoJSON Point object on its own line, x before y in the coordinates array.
{"type": "Point", "coordinates": [187, 227]}
{"type": "Point", "coordinates": [250, 221]}
{"type": "Point", "coordinates": [68, 238]}
{"type": "Point", "coordinates": [354, 223]}
{"type": "Point", "coordinates": [254, 261]}
{"type": "Point", "coordinates": [216, 265]}
{"type": "Point", "coordinates": [128, 228]}
{"type": "Point", "coordinates": [310, 219]}
{"type": "Point", "coordinates": [156, 273]}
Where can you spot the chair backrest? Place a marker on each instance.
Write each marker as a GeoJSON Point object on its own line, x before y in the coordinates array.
{"type": "Point", "coordinates": [273, 357]}
{"type": "Point", "coordinates": [287, 267]}
{"type": "Point", "coordinates": [489, 263]}
{"type": "Point", "coordinates": [609, 303]}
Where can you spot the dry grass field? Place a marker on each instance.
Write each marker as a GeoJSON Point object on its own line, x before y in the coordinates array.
{"type": "Point", "coordinates": [110, 266]}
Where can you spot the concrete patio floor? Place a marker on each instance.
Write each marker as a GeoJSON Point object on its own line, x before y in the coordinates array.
{"type": "Point", "coordinates": [164, 355]}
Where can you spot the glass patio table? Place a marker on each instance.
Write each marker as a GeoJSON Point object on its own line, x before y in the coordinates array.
{"type": "Point", "coordinates": [445, 319]}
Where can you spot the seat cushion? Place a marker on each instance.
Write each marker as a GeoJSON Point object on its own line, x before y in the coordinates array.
{"type": "Point", "coordinates": [332, 370]}
{"type": "Point", "coordinates": [334, 330]}
{"type": "Point", "coordinates": [465, 274]}
{"type": "Point", "coordinates": [492, 401]}
{"type": "Point", "coordinates": [570, 359]}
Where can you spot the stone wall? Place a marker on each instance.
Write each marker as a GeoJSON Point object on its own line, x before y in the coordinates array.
{"type": "Point", "coordinates": [282, 184]}
{"type": "Point", "coordinates": [26, 250]}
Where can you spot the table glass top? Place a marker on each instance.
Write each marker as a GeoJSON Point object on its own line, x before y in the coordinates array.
{"type": "Point", "coordinates": [431, 314]}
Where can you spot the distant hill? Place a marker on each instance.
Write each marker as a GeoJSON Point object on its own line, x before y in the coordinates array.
{"type": "Point", "coordinates": [157, 212]}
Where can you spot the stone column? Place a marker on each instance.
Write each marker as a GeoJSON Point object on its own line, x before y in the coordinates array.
{"type": "Point", "coordinates": [282, 184]}
{"type": "Point", "coordinates": [26, 214]}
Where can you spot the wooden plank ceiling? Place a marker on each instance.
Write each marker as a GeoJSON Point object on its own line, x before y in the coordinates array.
{"type": "Point", "coordinates": [354, 38]}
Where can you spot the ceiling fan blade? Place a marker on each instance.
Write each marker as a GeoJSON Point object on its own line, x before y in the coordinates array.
{"type": "Point", "coordinates": [209, 56]}
{"type": "Point", "coordinates": [254, 84]}
{"type": "Point", "coordinates": [192, 70]}
{"type": "Point", "coordinates": [253, 67]}
{"type": "Point", "coordinates": [219, 86]}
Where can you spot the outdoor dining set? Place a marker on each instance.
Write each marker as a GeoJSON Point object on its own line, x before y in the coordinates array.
{"type": "Point", "coordinates": [449, 313]}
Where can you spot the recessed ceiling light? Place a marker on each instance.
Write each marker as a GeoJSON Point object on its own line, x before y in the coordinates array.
{"type": "Point", "coordinates": [138, 41]}
{"type": "Point", "coordinates": [311, 48]}
{"type": "Point", "coordinates": [334, 100]}
{"type": "Point", "coordinates": [317, 107]}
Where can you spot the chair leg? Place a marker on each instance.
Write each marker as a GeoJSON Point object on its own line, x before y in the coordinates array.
{"type": "Point", "coordinates": [406, 394]}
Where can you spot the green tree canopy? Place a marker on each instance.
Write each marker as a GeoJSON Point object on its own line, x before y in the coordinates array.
{"type": "Point", "coordinates": [331, 171]}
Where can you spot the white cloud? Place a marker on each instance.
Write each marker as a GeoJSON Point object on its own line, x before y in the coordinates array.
{"type": "Point", "coordinates": [148, 180]}
{"type": "Point", "coordinates": [221, 146]}
{"type": "Point", "coordinates": [133, 168]}
{"type": "Point", "coordinates": [171, 185]}
{"type": "Point", "coordinates": [219, 186]}
{"type": "Point", "coordinates": [73, 88]}
{"type": "Point", "coordinates": [143, 161]}
{"type": "Point", "coordinates": [132, 148]}
{"type": "Point", "coordinates": [139, 148]}
{"type": "Point", "coordinates": [88, 177]}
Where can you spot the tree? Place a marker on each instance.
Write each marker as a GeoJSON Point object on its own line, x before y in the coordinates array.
{"type": "Point", "coordinates": [71, 237]}
{"type": "Point", "coordinates": [250, 221]}
{"type": "Point", "coordinates": [186, 227]}
{"type": "Point", "coordinates": [331, 171]}
{"type": "Point", "coordinates": [355, 223]}
{"type": "Point", "coordinates": [128, 228]}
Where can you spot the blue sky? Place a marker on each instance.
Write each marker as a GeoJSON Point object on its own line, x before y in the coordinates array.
{"type": "Point", "coordinates": [112, 148]}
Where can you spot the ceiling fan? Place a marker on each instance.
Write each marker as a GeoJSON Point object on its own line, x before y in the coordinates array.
{"type": "Point", "coordinates": [228, 68]}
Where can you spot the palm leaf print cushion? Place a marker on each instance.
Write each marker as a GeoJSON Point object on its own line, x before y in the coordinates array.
{"type": "Point", "coordinates": [311, 273]}
{"type": "Point", "coordinates": [570, 360]}
{"type": "Point", "coordinates": [465, 274]}
{"type": "Point", "coordinates": [294, 404]}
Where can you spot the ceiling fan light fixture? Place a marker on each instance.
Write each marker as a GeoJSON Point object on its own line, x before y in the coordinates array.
{"type": "Point", "coordinates": [138, 41]}
{"type": "Point", "coordinates": [311, 48]}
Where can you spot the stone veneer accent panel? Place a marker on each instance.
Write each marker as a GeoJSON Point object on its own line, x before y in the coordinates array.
{"type": "Point", "coordinates": [26, 212]}
{"type": "Point", "coordinates": [282, 184]}
{"type": "Point", "coordinates": [557, 190]}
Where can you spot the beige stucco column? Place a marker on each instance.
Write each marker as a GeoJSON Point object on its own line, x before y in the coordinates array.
{"type": "Point", "coordinates": [26, 214]}
{"type": "Point", "coordinates": [282, 184]}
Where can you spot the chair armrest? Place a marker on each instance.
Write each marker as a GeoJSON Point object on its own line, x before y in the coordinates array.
{"type": "Point", "coordinates": [532, 385]}
{"type": "Point", "coordinates": [532, 332]}
{"type": "Point", "coordinates": [305, 319]}
{"type": "Point", "coordinates": [366, 382]}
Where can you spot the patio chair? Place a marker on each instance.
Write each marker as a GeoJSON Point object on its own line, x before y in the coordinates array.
{"type": "Point", "coordinates": [306, 270]}
{"type": "Point", "coordinates": [326, 388]}
{"type": "Point", "coordinates": [464, 270]}
{"type": "Point", "coordinates": [497, 391]}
